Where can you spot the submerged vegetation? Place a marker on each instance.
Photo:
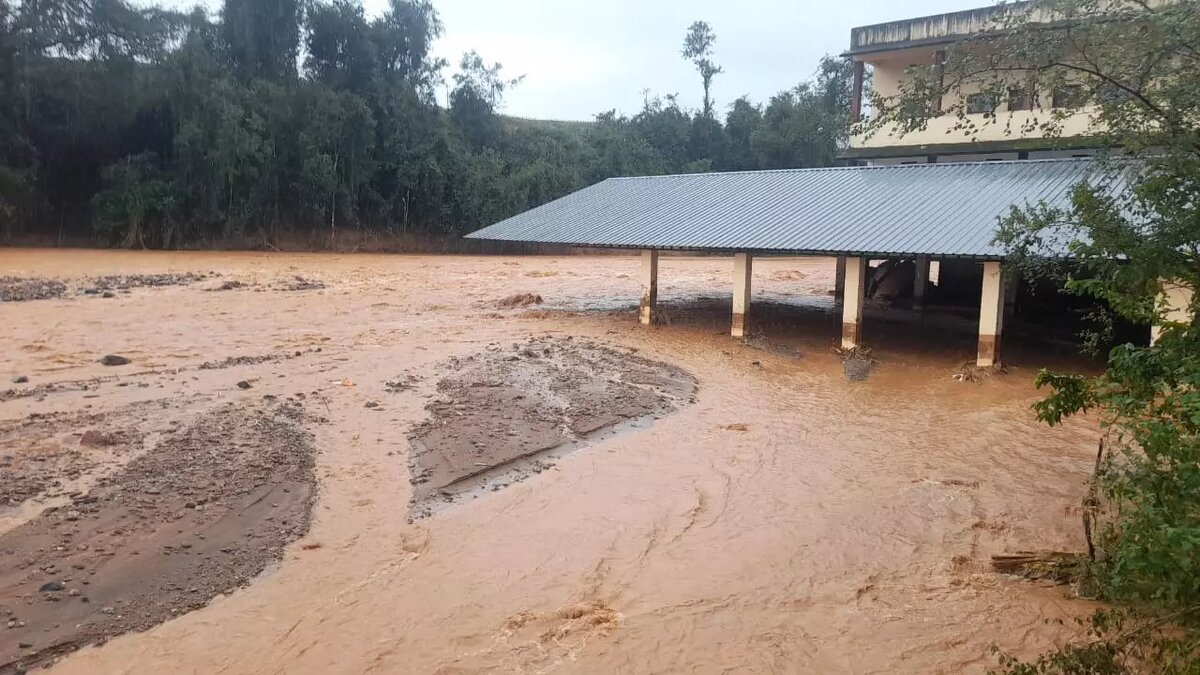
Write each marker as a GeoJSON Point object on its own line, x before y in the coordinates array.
{"type": "Point", "coordinates": [1134, 67]}
{"type": "Point", "coordinates": [146, 127]}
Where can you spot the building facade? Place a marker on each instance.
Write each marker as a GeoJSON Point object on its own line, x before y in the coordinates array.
{"type": "Point", "coordinates": [883, 52]}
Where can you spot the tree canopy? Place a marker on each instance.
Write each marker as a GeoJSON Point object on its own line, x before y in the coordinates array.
{"type": "Point", "coordinates": [698, 48]}
{"type": "Point", "coordinates": [137, 125]}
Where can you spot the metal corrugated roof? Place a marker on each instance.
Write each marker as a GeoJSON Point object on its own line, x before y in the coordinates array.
{"type": "Point", "coordinates": [945, 210]}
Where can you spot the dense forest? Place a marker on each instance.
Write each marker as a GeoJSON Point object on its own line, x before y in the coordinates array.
{"type": "Point", "coordinates": [289, 120]}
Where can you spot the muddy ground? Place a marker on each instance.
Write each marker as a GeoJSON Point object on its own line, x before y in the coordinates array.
{"type": "Point", "coordinates": [144, 526]}
{"type": "Point", "coordinates": [316, 464]}
{"type": "Point", "coordinates": [510, 412]}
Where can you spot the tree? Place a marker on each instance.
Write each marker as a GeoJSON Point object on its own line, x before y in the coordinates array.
{"type": "Point", "coordinates": [741, 124]}
{"type": "Point", "coordinates": [137, 203]}
{"type": "Point", "coordinates": [667, 128]}
{"type": "Point", "coordinates": [340, 50]}
{"type": "Point", "coordinates": [136, 125]}
{"type": "Point", "coordinates": [697, 48]}
{"type": "Point", "coordinates": [1130, 68]}
{"type": "Point", "coordinates": [262, 37]}
{"type": "Point", "coordinates": [808, 125]}
{"type": "Point", "coordinates": [403, 37]}
{"type": "Point", "coordinates": [478, 93]}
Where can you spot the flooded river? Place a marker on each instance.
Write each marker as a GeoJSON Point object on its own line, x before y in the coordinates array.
{"type": "Point", "coordinates": [786, 520]}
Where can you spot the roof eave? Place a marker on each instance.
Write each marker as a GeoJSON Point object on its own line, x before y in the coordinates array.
{"type": "Point", "coordinates": [977, 147]}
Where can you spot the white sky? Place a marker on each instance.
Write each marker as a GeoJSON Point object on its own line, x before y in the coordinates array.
{"type": "Point", "coordinates": [582, 57]}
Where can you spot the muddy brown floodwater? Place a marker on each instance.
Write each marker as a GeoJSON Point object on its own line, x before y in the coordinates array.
{"type": "Point", "coordinates": [351, 464]}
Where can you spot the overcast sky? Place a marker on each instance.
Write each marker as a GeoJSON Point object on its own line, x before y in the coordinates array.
{"type": "Point", "coordinates": [582, 57]}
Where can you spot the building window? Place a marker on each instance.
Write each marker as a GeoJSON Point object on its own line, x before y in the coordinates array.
{"type": "Point", "coordinates": [1069, 96]}
{"type": "Point", "coordinates": [1020, 98]}
{"type": "Point", "coordinates": [978, 104]}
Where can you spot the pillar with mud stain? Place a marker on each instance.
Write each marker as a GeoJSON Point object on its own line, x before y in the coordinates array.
{"type": "Point", "coordinates": [854, 283]}
{"type": "Point", "coordinates": [991, 315]}
{"type": "Point", "coordinates": [1174, 302]}
{"type": "Point", "coordinates": [649, 286]}
{"type": "Point", "coordinates": [743, 269]}
{"type": "Point", "coordinates": [921, 282]}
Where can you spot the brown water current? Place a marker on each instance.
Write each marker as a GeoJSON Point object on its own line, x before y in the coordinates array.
{"type": "Point", "coordinates": [785, 521]}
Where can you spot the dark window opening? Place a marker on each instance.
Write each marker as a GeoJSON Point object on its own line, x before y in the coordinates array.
{"type": "Point", "coordinates": [978, 104]}
{"type": "Point", "coordinates": [1020, 98]}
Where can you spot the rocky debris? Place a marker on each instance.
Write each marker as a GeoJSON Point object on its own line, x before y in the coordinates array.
{"type": "Point", "coordinates": [857, 362]}
{"type": "Point", "coordinates": [200, 514]}
{"type": "Point", "coordinates": [234, 361]}
{"type": "Point", "coordinates": [105, 285]}
{"type": "Point", "coordinates": [52, 387]}
{"type": "Point", "coordinates": [502, 411]}
{"type": "Point", "coordinates": [230, 285]}
{"type": "Point", "coordinates": [114, 360]}
{"type": "Point", "coordinates": [298, 283]}
{"type": "Point", "coordinates": [401, 383]}
{"type": "Point", "coordinates": [519, 300]}
{"type": "Point", "coordinates": [93, 438]}
{"type": "Point", "coordinates": [15, 289]}
{"type": "Point", "coordinates": [969, 372]}
{"type": "Point", "coordinates": [41, 453]}
{"type": "Point", "coordinates": [20, 379]}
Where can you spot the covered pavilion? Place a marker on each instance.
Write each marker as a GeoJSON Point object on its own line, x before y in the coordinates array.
{"type": "Point", "coordinates": [918, 212]}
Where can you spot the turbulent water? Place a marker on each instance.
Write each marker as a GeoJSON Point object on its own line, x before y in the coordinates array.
{"type": "Point", "coordinates": [786, 521]}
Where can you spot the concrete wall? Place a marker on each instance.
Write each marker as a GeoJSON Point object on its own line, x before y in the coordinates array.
{"type": "Point", "coordinates": [889, 74]}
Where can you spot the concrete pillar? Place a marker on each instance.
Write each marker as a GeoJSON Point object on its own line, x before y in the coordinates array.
{"type": "Point", "coordinates": [854, 281]}
{"type": "Point", "coordinates": [921, 282]}
{"type": "Point", "coordinates": [839, 280]}
{"type": "Point", "coordinates": [1175, 301]}
{"type": "Point", "coordinates": [649, 286]}
{"type": "Point", "coordinates": [743, 269]}
{"type": "Point", "coordinates": [991, 315]}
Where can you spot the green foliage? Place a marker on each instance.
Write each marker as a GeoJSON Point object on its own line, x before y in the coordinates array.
{"type": "Point", "coordinates": [136, 202]}
{"type": "Point", "coordinates": [144, 127]}
{"type": "Point", "coordinates": [1131, 67]}
{"type": "Point", "coordinates": [808, 125]}
{"type": "Point", "coordinates": [261, 37]}
{"type": "Point", "coordinates": [697, 48]}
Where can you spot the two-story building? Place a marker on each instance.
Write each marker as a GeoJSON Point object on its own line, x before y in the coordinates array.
{"type": "Point", "coordinates": [883, 53]}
